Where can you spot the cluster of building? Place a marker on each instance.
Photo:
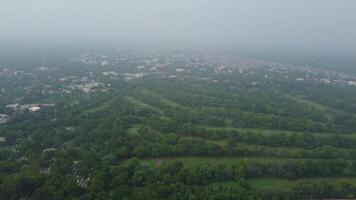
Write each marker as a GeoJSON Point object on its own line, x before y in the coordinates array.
{"type": "Point", "coordinates": [4, 118]}
{"type": "Point", "coordinates": [18, 73]}
{"type": "Point", "coordinates": [92, 59]}
{"type": "Point", "coordinates": [85, 87]}
{"type": "Point", "coordinates": [130, 77]}
{"type": "Point", "coordinates": [83, 182]}
{"type": "Point", "coordinates": [201, 66]}
{"type": "Point", "coordinates": [29, 107]}
{"type": "Point", "coordinates": [110, 73]}
{"type": "Point", "coordinates": [83, 84]}
{"type": "Point", "coordinates": [45, 170]}
{"type": "Point", "coordinates": [44, 69]}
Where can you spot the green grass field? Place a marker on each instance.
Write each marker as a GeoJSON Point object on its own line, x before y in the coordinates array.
{"type": "Point", "coordinates": [133, 131]}
{"type": "Point", "coordinates": [284, 184]}
{"type": "Point", "coordinates": [218, 142]}
{"type": "Point", "coordinates": [272, 131]}
{"type": "Point", "coordinates": [138, 103]}
{"type": "Point", "coordinates": [189, 162]}
{"type": "Point", "coordinates": [163, 100]}
{"type": "Point", "coordinates": [272, 183]}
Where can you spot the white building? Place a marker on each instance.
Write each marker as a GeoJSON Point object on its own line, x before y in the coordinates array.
{"type": "Point", "coordinates": [179, 70]}
{"type": "Point", "coordinates": [34, 109]}
{"type": "Point", "coordinates": [4, 118]}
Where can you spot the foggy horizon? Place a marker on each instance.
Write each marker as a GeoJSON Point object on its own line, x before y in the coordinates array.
{"type": "Point", "coordinates": [178, 100]}
{"type": "Point", "coordinates": [318, 24]}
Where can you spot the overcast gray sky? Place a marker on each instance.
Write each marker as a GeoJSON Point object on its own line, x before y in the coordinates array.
{"type": "Point", "coordinates": [254, 23]}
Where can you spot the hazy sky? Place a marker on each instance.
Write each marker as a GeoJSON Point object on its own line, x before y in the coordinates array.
{"type": "Point", "coordinates": [254, 23]}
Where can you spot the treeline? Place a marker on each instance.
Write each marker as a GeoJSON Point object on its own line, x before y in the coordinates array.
{"type": "Point", "coordinates": [131, 180]}
{"type": "Point", "coordinates": [202, 148]}
{"type": "Point", "coordinates": [302, 140]}
{"type": "Point", "coordinates": [292, 169]}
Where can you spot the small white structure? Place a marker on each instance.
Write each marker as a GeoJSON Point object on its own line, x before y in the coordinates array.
{"type": "Point", "coordinates": [34, 109]}
{"type": "Point", "coordinates": [351, 83]}
{"type": "Point", "coordinates": [179, 70]}
{"type": "Point", "coordinates": [13, 106]}
{"type": "Point", "coordinates": [254, 83]}
{"type": "Point", "coordinates": [105, 63]}
{"type": "Point", "coordinates": [4, 118]}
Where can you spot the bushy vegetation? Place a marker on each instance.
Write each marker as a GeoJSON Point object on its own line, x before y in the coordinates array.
{"type": "Point", "coordinates": [159, 138]}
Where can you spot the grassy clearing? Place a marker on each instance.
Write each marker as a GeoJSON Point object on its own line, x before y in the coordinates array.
{"type": "Point", "coordinates": [262, 184]}
{"type": "Point", "coordinates": [102, 107]}
{"type": "Point", "coordinates": [220, 143]}
{"type": "Point", "coordinates": [283, 184]}
{"type": "Point", "coordinates": [273, 183]}
{"type": "Point", "coordinates": [223, 143]}
{"type": "Point", "coordinates": [147, 162]}
{"type": "Point", "coordinates": [301, 99]}
{"type": "Point", "coordinates": [163, 100]}
{"type": "Point", "coordinates": [271, 131]}
{"type": "Point", "coordinates": [328, 111]}
{"type": "Point", "coordinates": [190, 162]}
{"type": "Point", "coordinates": [321, 107]}
{"type": "Point", "coordinates": [243, 130]}
{"type": "Point", "coordinates": [133, 131]}
{"type": "Point", "coordinates": [289, 149]}
{"type": "Point", "coordinates": [140, 104]}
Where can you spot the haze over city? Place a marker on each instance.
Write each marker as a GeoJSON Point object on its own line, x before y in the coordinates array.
{"type": "Point", "coordinates": [177, 99]}
{"type": "Point", "coordinates": [302, 24]}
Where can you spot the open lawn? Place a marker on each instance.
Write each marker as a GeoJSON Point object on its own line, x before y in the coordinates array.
{"type": "Point", "coordinates": [273, 183]}
{"type": "Point", "coordinates": [284, 184]}
{"type": "Point", "coordinates": [271, 131]}
{"type": "Point", "coordinates": [189, 162]}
